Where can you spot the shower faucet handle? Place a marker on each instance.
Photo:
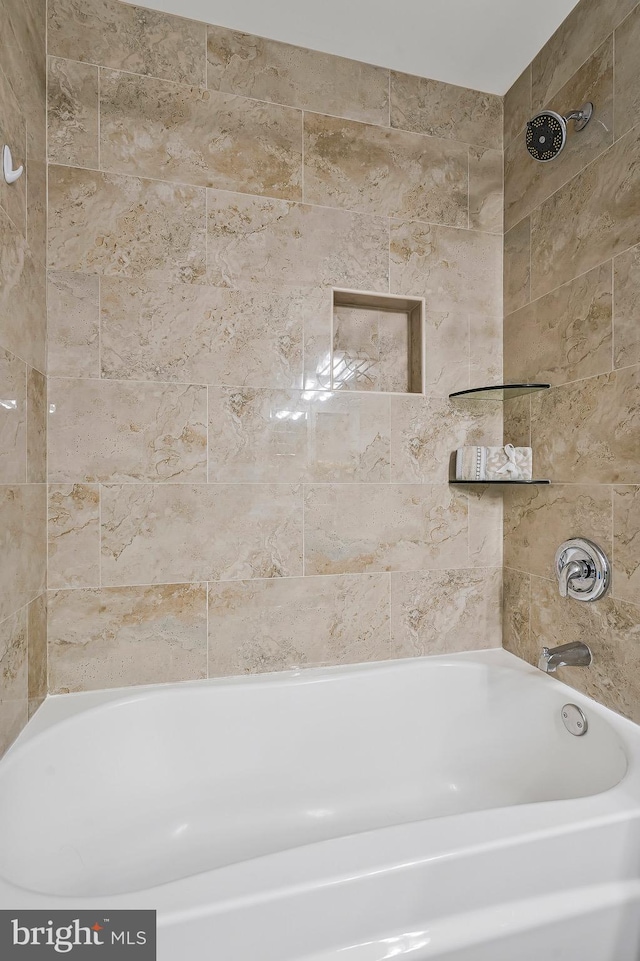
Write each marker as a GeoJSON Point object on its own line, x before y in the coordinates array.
{"type": "Point", "coordinates": [582, 569]}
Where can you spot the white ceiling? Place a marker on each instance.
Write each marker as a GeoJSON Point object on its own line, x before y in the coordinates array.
{"type": "Point", "coordinates": [484, 44]}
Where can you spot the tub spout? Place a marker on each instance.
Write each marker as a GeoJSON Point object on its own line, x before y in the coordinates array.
{"type": "Point", "coordinates": [575, 654]}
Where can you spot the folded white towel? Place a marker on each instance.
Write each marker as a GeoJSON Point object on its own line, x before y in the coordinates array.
{"type": "Point", "coordinates": [494, 463]}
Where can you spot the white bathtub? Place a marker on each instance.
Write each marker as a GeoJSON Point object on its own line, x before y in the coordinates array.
{"type": "Point", "coordinates": [434, 808]}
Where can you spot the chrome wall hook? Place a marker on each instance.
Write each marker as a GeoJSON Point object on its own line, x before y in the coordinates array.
{"type": "Point", "coordinates": [10, 175]}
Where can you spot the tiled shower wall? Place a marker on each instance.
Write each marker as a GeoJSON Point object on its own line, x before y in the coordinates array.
{"type": "Point", "coordinates": [572, 290]}
{"type": "Point", "coordinates": [23, 550]}
{"type": "Point", "coordinates": [212, 509]}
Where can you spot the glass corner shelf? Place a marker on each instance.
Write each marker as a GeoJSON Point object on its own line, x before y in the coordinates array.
{"type": "Point", "coordinates": [500, 392]}
{"type": "Point", "coordinates": [499, 481]}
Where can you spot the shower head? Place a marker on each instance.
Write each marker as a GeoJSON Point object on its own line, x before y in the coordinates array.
{"type": "Point", "coordinates": [547, 132]}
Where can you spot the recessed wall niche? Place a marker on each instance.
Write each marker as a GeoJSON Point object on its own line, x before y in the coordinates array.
{"type": "Point", "coordinates": [377, 343]}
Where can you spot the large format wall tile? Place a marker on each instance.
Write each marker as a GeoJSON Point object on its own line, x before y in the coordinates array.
{"type": "Point", "coordinates": [626, 543]}
{"type": "Point", "coordinates": [517, 107]}
{"type": "Point", "coordinates": [274, 625]}
{"type": "Point", "coordinates": [517, 266]}
{"type": "Point", "coordinates": [165, 533]}
{"type": "Point", "coordinates": [256, 240]}
{"type": "Point", "coordinates": [116, 637]}
{"type": "Point", "coordinates": [392, 528]}
{"type": "Point", "coordinates": [23, 512]}
{"type": "Point", "coordinates": [627, 92]}
{"type": "Point", "coordinates": [36, 427]}
{"type": "Point", "coordinates": [516, 595]}
{"type": "Point", "coordinates": [125, 37]}
{"type": "Point", "coordinates": [563, 336]}
{"type": "Point", "coordinates": [592, 218]}
{"type": "Point", "coordinates": [108, 431]}
{"type": "Point", "coordinates": [111, 224]}
{"type": "Point", "coordinates": [13, 419]}
{"type": "Point", "coordinates": [73, 324]}
{"type": "Point", "coordinates": [14, 682]}
{"type": "Point", "coordinates": [74, 535]}
{"type": "Point", "coordinates": [13, 131]}
{"type": "Point", "coordinates": [270, 436]}
{"type": "Point", "coordinates": [37, 652]}
{"type": "Point", "coordinates": [280, 73]}
{"type": "Point", "coordinates": [384, 171]}
{"type": "Point", "coordinates": [441, 612]}
{"type": "Point", "coordinates": [626, 329]}
{"type": "Point", "coordinates": [157, 129]}
{"type": "Point", "coordinates": [73, 113]}
{"type": "Point", "coordinates": [485, 526]}
{"type": "Point", "coordinates": [485, 189]}
{"type": "Point", "coordinates": [23, 315]}
{"type": "Point", "coordinates": [444, 110]}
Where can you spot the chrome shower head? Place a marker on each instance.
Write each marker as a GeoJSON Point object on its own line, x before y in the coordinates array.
{"type": "Point", "coordinates": [547, 132]}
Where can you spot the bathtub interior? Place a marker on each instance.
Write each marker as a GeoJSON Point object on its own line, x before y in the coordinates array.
{"type": "Point", "coordinates": [169, 782]}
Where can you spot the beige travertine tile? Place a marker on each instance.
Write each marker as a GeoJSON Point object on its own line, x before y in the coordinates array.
{"type": "Point", "coordinates": [611, 628]}
{"type": "Point", "coordinates": [157, 129]}
{"type": "Point", "coordinates": [255, 240]}
{"type": "Point", "coordinates": [517, 106]}
{"type": "Point", "coordinates": [73, 318]}
{"type": "Point", "coordinates": [14, 684]}
{"type": "Point", "coordinates": [37, 646]}
{"type": "Point", "coordinates": [155, 533]}
{"type": "Point", "coordinates": [36, 175]}
{"type": "Point", "coordinates": [116, 637]}
{"type": "Point", "coordinates": [23, 512]}
{"type": "Point", "coordinates": [442, 612]}
{"type": "Point", "coordinates": [384, 171]}
{"type": "Point", "coordinates": [270, 436]}
{"type": "Point", "coordinates": [485, 346]}
{"type": "Point", "coordinates": [451, 269]}
{"type": "Point", "coordinates": [626, 329]}
{"type": "Point", "coordinates": [593, 217]}
{"type": "Point", "coordinates": [23, 58]}
{"type": "Point", "coordinates": [113, 431]}
{"type": "Point", "coordinates": [485, 189]}
{"type": "Point", "coordinates": [627, 74]}
{"type": "Point", "coordinates": [426, 430]}
{"type": "Point", "coordinates": [517, 422]}
{"type": "Point", "coordinates": [250, 337]}
{"type": "Point", "coordinates": [588, 24]}
{"type": "Point", "coordinates": [588, 431]}
{"type": "Point", "coordinates": [516, 638]}
{"type": "Point", "coordinates": [517, 266]}
{"type": "Point", "coordinates": [23, 317]}
{"type": "Point", "coordinates": [526, 182]}
{"type": "Point", "coordinates": [485, 526]}
{"type": "Point", "coordinates": [36, 427]}
{"type": "Point", "coordinates": [13, 131]}
{"type": "Point", "coordinates": [124, 37]}
{"type": "Point", "coordinates": [275, 625]}
{"type": "Point", "coordinates": [385, 528]}
{"type": "Point", "coordinates": [281, 73]}
{"type": "Point", "coordinates": [111, 224]}
{"type": "Point", "coordinates": [563, 336]}
{"type": "Point", "coordinates": [74, 535]}
{"type": "Point", "coordinates": [371, 349]}
{"type": "Point", "coordinates": [72, 116]}
{"type": "Point", "coordinates": [626, 543]}
{"type": "Point", "coordinates": [444, 110]}
{"type": "Point", "coordinates": [13, 419]}
{"type": "Point", "coordinates": [538, 519]}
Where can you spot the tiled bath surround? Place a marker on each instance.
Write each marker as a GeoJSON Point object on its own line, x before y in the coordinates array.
{"type": "Point", "coordinates": [213, 509]}
{"type": "Point", "coordinates": [572, 289]}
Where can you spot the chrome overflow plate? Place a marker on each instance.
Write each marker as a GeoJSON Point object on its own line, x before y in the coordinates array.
{"type": "Point", "coordinates": [574, 720]}
{"type": "Point", "coordinates": [594, 579]}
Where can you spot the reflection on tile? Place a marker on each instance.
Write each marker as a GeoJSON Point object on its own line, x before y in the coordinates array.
{"type": "Point", "coordinates": [442, 612]}
{"type": "Point", "coordinates": [23, 512]}
{"type": "Point", "coordinates": [626, 329]}
{"type": "Point", "coordinates": [485, 526]}
{"type": "Point", "coordinates": [157, 129]}
{"type": "Point", "coordinates": [108, 431]}
{"type": "Point", "coordinates": [589, 429]}
{"type": "Point", "coordinates": [209, 335]}
{"type": "Point", "coordinates": [13, 197]}
{"type": "Point", "coordinates": [626, 543]}
{"type": "Point", "coordinates": [116, 637]}
{"type": "Point", "coordinates": [36, 427]}
{"type": "Point", "coordinates": [73, 312]}
{"type": "Point", "coordinates": [270, 436]}
{"type": "Point", "coordinates": [538, 519]}
{"type": "Point", "coordinates": [371, 349]}
{"type": "Point", "coordinates": [14, 684]}
{"type": "Point", "coordinates": [516, 591]}
{"type": "Point", "coordinates": [612, 629]}
{"type": "Point", "coordinates": [627, 44]}
{"type": "Point", "coordinates": [73, 113]}
{"type": "Point", "coordinates": [276, 625]}
{"type": "Point", "coordinates": [74, 535]}
{"type": "Point", "coordinates": [384, 171]}
{"type": "Point", "coordinates": [485, 189]}
{"type": "Point", "coordinates": [125, 37]}
{"type": "Point", "coordinates": [459, 269]}
{"type": "Point", "coordinates": [256, 240]}
{"type": "Point", "coordinates": [280, 73]}
{"type": "Point", "coordinates": [37, 641]}
{"type": "Point", "coordinates": [154, 533]}
{"type": "Point", "coordinates": [563, 336]}
{"type": "Point", "coordinates": [517, 266]}
{"type": "Point", "coordinates": [586, 27]}
{"type": "Point", "coordinates": [13, 419]}
{"type": "Point", "coordinates": [444, 110]}
{"type": "Point", "coordinates": [593, 217]}
{"type": "Point", "coordinates": [517, 106]}
{"type": "Point", "coordinates": [22, 295]}
{"type": "Point", "coordinates": [111, 224]}
{"type": "Point", "coordinates": [393, 528]}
